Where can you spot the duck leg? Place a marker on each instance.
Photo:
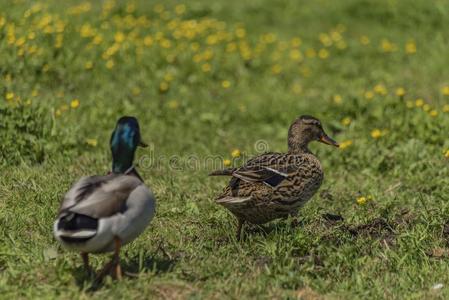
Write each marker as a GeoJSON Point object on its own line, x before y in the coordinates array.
{"type": "Point", "coordinates": [239, 229]}
{"type": "Point", "coordinates": [113, 265]}
{"type": "Point", "coordinates": [85, 257]}
{"type": "Point", "coordinates": [116, 259]}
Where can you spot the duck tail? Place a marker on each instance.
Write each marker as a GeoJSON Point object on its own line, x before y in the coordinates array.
{"type": "Point", "coordinates": [75, 228]}
{"type": "Point", "coordinates": [224, 172]}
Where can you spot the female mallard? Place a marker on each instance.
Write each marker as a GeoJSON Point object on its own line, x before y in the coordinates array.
{"type": "Point", "coordinates": [276, 185]}
{"type": "Point", "coordinates": [102, 213]}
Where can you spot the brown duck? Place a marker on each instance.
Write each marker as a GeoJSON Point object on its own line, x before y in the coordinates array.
{"type": "Point", "coordinates": [276, 185]}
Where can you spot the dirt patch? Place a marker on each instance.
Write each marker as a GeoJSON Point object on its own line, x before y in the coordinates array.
{"type": "Point", "coordinates": [307, 293]}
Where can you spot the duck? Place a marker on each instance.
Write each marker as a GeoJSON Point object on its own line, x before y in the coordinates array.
{"type": "Point", "coordinates": [102, 213]}
{"type": "Point", "coordinates": [276, 185]}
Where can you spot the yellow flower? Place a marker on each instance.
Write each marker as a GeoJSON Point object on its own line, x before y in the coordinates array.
{"type": "Point", "coordinates": [369, 95]}
{"type": "Point", "coordinates": [88, 65]}
{"type": "Point", "coordinates": [426, 107]}
{"type": "Point", "coordinates": [410, 47]}
{"type": "Point", "coordinates": [119, 37]}
{"type": "Point", "coordinates": [446, 154]}
{"type": "Point", "coordinates": [445, 90]}
{"type": "Point", "coordinates": [433, 113]}
{"type": "Point", "coordinates": [34, 93]}
{"type": "Point", "coordinates": [361, 200]}
{"type": "Point", "coordinates": [323, 53]}
{"type": "Point", "coordinates": [74, 103]}
{"type": "Point", "coordinates": [446, 108]}
{"type": "Point", "coordinates": [376, 133]}
{"type": "Point", "coordinates": [310, 53]}
{"type": "Point", "coordinates": [110, 64]}
{"type": "Point", "coordinates": [400, 92]}
{"type": "Point", "coordinates": [135, 91]}
{"type": "Point", "coordinates": [206, 67]}
{"type": "Point", "coordinates": [58, 113]}
{"type": "Point", "coordinates": [296, 88]}
{"type": "Point", "coordinates": [9, 96]}
{"type": "Point", "coordinates": [296, 55]}
{"type": "Point", "coordinates": [345, 144]}
{"type": "Point", "coordinates": [163, 86]}
{"type": "Point", "coordinates": [235, 153]}
{"type": "Point", "coordinates": [173, 104]}
{"type": "Point", "coordinates": [346, 121]}
{"type": "Point", "coordinates": [380, 89]}
{"type": "Point", "coordinates": [364, 40]}
{"type": "Point", "coordinates": [276, 69]}
{"type": "Point", "coordinates": [338, 99]}
{"type": "Point", "coordinates": [226, 84]}
{"type": "Point", "coordinates": [180, 9]}
{"type": "Point", "coordinates": [409, 104]}
{"type": "Point", "coordinates": [227, 162]}
{"type": "Point", "coordinates": [92, 142]}
{"type": "Point", "coordinates": [419, 102]}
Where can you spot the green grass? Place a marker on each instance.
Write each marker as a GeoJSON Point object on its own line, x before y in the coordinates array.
{"type": "Point", "coordinates": [395, 246]}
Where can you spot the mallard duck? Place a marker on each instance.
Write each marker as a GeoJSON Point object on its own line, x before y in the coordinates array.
{"type": "Point", "coordinates": [276, 185]}
{"type": "Point", "coordinates": [103, 213]}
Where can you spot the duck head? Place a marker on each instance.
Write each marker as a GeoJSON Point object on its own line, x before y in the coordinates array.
{"type": "Point", "coordinates": [304, 130]}
{"type": "Point", "coordinates": [124, 141]}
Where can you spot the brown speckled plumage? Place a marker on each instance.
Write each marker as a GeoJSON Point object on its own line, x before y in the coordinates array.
{"type": "Point", "coordinates": [276, 185]}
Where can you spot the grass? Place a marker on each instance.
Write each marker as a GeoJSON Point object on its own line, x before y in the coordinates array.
{"type": "Point", "coordinates": [205, 79]}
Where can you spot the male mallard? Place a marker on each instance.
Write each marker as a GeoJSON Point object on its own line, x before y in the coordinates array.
{"type": "Point", "coordinates": [102, 213]}
{"type": "Point", "coordinates": [276, 185]}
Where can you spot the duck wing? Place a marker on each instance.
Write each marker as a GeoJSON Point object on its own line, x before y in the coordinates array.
{"type": "Point", "coordinates": [89, 200]}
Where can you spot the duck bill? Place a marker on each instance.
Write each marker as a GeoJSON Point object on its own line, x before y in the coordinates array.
{"type": "Point", "coordinates": [327, 140]}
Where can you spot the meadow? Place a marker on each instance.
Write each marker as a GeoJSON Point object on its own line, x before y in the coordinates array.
{"type": "Point", "coordinates": [219, 79]}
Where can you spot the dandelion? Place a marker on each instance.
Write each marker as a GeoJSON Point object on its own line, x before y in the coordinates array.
{"type": "Point", "coordinates": [388, 46]}
{"type": "Point", "coordinates": [310, 53]}
{"type": "Point", "coordinates": [92, 142]}
{"type": "Point", "coordinates": [226, 162]}
{"type": "Point", "coordinates": [74, 103]}
{"type": "Point", "coordinates": [110, 64]}
{"type": "Point", "coordinates": [296, 55]}
{"type": "Point", "coordinates": [88, 65]}
{"type": "Point", "coordinates": [180, 9]}
{"type": "Point", "coordinates": [323, 53]}
{"type": "Point", "coordinates": [446, 153]}
{"type": "Point", "coordinates": [376, 133]}
{"type": "Point", "coordinates": [410, 47]}
{"type": "Point", "coordinates": [206, 67]}
{"type": "Point", "coordinates": [296, 88]}
{"type": "Point", "coordinates": [446, 108]}
{"type": "Point", "coordinates": [346, 121]}
{"type": "Point", "coordinates": [9, 96]}
{"type": "Point", "coordinates": [369, 95]}
{"type": "Point", "coordinates": [163, 86]}
{"type": "Point", "coordinates": [148, 41]}
{"type": "Point", "coordinates": [235, 153]}
{"type": "Point", "coordinates": [226, 84]}
{"type": "Point", "coordinates": [364, 40]}
{"type": "Point", "coordinates": [426, 107]}
{"type": "Point", "coordinates": [346, 144]}
{"type": "Point", "coordinates": [400, 92]}
{"type": "Point", "coordinates": [337, 99]}
{"type": "Point", "coordinates": [361, 200]}
{"type": "Point", "coordinates": [409, 104]}
{"type": "Point", "coordinates": [173, 104]}
{"type": "Point", "coordinates": [58, 113]}
{"type": "Point", "coordinates": [419, 102]}
{"type": "Point", "coordinates": [380, 89]}
{"type": "Point", "coordinates": [276, 69]}
{"type": "Point", "coordinates": [445, 90]}
{"type": "Point", "coordinates": [433, 113]}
